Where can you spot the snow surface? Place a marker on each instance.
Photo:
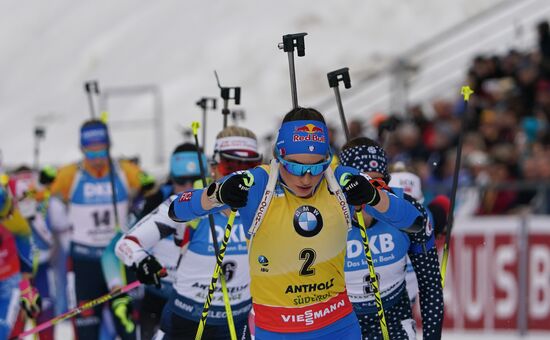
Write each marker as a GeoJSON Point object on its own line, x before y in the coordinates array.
{"type": "Point", "coordinates": [49, 48]}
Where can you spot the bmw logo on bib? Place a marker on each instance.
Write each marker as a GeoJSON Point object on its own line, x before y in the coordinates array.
{"type": "Point", "coordinates": [308, 221]}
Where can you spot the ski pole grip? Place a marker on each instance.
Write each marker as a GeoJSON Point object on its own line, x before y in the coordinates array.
{"type": "Point", "coordinates": [466, 92]}
{"type": "Point", "coordinates": [88, 86]}
{"type": "Point", "coordinates": [203, 103]}
{"type": "Point", "coordinates": [39, 132]}
{"type": "Point", "coordinates": [294, 40]}
{"type": "Point", "coordinates": [231, 93]}
{"type": "Point", "coordinates": [195, 127]}
{"type": "Point", "coordinates": [340, 75]}
{"type": "Point", "coordinates": [104, 117]}
{"type": "Point", "coordinates": [237, 95]}
{"type": "Point", "coordinates": [91, 86]}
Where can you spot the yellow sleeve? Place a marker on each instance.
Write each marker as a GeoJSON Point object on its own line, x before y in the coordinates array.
{"type": "Point", "coordinates": [17, 224]}
{"type": "Point", "coordinates": [335, 161]}
{"type": "Point", "coordinates": [63, 181]}
{"type": "Point", "coordinates": [132, 172]}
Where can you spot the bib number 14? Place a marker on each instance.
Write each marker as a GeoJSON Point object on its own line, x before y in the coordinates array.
{"type": "Point", "coordinates": [101, 218]}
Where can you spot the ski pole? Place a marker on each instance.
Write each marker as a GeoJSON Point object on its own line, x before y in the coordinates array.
{"type": "Point", "coordinates": [75, 311]}
{"type": "Point", "coordinates": [248, 182]}
{"type": "Point", "coordinates": [203, 104]}
{"type": "Point", "coordinates": [94, 87]}
{"type": "Point", "coordinates": [111, 173]}
{"type": "Point", "coordinates": [39, 134]}
{"type": "Point", "coordinates": [217, 269]}
{"type": "Point", "coordinates": [231, 323]}
{"type": "Point", "coordinates": [228, 93]}
{"type": "Point", "coordinates": [373, 277]}
{"type": "Point", "coordinates": [334, 79]}
{"type": "Point", "coordinates": [372, 273]}
{"type": "Point", "coordinates": [91, 88]}
{"type": "Point", "coordinates": [291, 41]}
{"type": "Point", "coordinates": [466, 92]}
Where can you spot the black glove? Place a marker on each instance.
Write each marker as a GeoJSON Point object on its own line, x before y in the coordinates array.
{"type": "Point", "coordinates": [149, 271]}
{"type": "Point", "coordinates": [360, 191]}
{"type": "Point", "coordinates": [232, 192]}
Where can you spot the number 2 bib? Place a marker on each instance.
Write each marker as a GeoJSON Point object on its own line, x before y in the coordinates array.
{"type": "Point", "coordinates": [297, 263]}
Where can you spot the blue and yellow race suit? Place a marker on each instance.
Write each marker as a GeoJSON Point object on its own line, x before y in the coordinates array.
{"type": "Point", "coordinates": [297, 251]}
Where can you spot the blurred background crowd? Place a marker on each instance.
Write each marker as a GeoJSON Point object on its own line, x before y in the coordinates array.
{"type": "Point", "coordinates": [506, 150]}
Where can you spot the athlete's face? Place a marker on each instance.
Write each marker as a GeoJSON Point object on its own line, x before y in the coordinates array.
{"type": "Point", "coordinates": [302, 186]}
{"type": "Point", "coordinates": [96, 155]}
{"type": "Point", "coordinates": [226, 167]}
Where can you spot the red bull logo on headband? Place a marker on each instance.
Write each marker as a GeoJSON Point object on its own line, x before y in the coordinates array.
{"type": "Point", "coordinates": [313, 134]}
{"type": "Point", "coordinates": [302, 136]}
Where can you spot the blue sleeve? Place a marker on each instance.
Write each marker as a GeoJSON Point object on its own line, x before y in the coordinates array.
{"type": "Point", "coordinates": [111, 265]}
{"type": "Point", "coordinates": [341, 170]}
{"type": "Point", "coordinates": [425, 261]}
{"type": "Point", "coordinates": [400, 214]}
{"type": "Point", "coordinates": [25, 252]}
{"type": "Point", "coordinates": [187, 206]}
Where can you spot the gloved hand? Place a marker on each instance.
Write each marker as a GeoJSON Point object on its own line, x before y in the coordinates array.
{"type": "Point", "coordinates": [30, 298]}
{"type": "Point", "coordinates": [122, 309]}
{"type": "Point", "coordinates": [232, 192]}
{"type": "Point", "coordinates": [359, 190]}
{"type": "Point", "coordinates": [440, 207]}
{"type": "Point", "coordinates": [147, 181]}
{"type": "Point", "coordinates": [149, 271]}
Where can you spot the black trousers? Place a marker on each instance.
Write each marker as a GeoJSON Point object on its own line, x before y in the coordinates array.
{"type": "Point", "coordinates": [401, 325]}
{"type": "Point", "coordinates": [149, 314]}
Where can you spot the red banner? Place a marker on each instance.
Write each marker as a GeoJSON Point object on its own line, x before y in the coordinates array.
{"type": "Point", "coordinates": [499, 274]}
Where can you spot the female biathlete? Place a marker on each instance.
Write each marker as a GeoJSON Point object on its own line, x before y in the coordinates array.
{"type": "Point", "coordinates": [389, 247]}
{"type": "Point", "coordinates": [296, 217]}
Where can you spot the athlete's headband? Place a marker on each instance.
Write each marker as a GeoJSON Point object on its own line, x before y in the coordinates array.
{"type": "Point", "coordinates": [95, 133]}
{"type": "Point", "coordinates": [238, 148]}
{"type": "Point", "coordinates": [186, 164]}
{"type": "Point", "coordinates": [365, 158]}
{"type": "Point", "coordinates": [236, 143]}
{"type": "Point", "coordinates": [303, 136]}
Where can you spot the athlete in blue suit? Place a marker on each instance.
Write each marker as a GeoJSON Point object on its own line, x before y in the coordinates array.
{"type": "Point", "coordinates": [389, 248]}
